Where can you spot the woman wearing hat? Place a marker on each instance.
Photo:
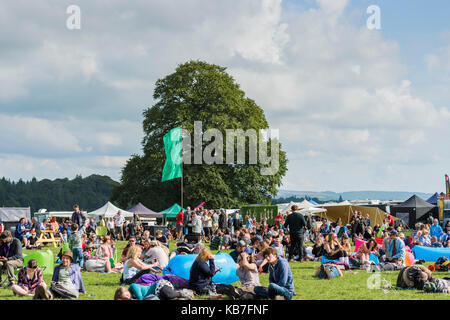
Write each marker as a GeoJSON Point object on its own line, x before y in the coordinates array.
{"type": "Point", "coordinates": [67, 282]}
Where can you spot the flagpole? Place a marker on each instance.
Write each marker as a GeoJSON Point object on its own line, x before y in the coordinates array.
{"type": "Point", "coordinates": [182, 176]}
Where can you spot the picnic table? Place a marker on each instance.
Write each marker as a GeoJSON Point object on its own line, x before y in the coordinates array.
{"type": "Point", "coordinates": [50, 238]}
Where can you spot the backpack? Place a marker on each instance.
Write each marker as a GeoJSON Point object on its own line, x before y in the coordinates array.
{"type": "Point", "coordinates": [442, 264]}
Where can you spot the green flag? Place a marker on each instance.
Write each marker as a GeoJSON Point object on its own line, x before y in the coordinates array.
{"type": "Point", "coordinates": [172, 146]}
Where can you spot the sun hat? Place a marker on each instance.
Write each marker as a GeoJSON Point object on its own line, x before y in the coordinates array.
{"type": "Point", "coordinates": [68, 254]}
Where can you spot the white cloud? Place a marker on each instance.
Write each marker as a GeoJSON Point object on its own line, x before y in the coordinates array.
{"type": "Point", "coordinates": [339, 93]}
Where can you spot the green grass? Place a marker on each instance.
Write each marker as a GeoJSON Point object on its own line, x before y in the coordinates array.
{"type": "Point", "coordinates": [353, 285]}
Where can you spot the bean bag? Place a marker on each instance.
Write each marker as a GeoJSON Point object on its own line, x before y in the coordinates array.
{"type": "Point", "coordinates": [44, 259]}
{"type": "Point", "coordinates": [358, 243]}
{"type": "Point", "coordinates": [409, 259]}
{"type": "Point", "coordinates": [180, 265]}
{"type": "Point", "coordinates": [430, 253]}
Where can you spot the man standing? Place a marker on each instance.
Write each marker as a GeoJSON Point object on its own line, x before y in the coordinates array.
{"type": "Point", "coordinates": [223, 220]}
{"type": "Point", "coordinates": [196, 225]}
{"type": "Point", "coordinates": [10, 255]}
{"type": "Point", "coordinates": [119, 225]}
{"type": "Point", "coordinates": [296, 224]}
{"type": "Point", "coordinates": [186, 220]}
{"type": "Point", "coordinates": [77, 216]}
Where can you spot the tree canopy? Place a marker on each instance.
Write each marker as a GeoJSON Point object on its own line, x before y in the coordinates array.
{"type": "Point", "coordinates": [198, 91]}
{"type": "Point", "coordinates": [89, 193]}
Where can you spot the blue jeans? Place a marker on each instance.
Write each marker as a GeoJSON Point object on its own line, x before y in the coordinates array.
{"type": "Point", "coordinates": [78, 256]}
{"type": "Point", "coordinates": [273, 291]}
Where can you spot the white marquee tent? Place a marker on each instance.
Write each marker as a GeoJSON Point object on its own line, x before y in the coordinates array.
{"type": "Point", "coordinates": [109, 210]}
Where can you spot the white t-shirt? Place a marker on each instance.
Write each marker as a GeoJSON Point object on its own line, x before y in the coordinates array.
{"type": "Point", "coordinates": [119, 220]}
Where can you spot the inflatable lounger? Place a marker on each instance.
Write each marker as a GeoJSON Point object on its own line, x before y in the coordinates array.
{"type": "Point", "coordinates": [430, 253]}
{"type": "Point", "coordinates": [180, 265]}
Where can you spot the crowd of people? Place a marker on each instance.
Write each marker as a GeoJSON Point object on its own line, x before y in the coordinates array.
{"type": "Point", "coordinates": [256, 248]}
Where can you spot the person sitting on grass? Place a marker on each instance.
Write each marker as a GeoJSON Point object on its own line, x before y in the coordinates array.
{"type": "Point", "coordinates": [281, 281]}
{"type": "Point", "coordinates": [156, 253]}
{"type": "Point", "coordinates": [131, 242]}
{"type": "Point", "coordinates": [28, 279]}
{"type": "Point", "coordinates": [395, 251]}
{"type": "Point", "coordinates": [261, 263]}
{"type": "Point", "coordinates": [76, 245]}
{"type": "Point", "coordinates": [133, 267]}
{"type": "Point", "coordinates": [247, 272]}
{"type": "Point", "coordinates": [334, 250]}
{"type": "Point", "coordinates": [162, 238]}
{"type": "Point", "coordinates": [201, 273]}
{"type": "Point", "coordinates": [67, 282]}
{"type": "Point", "coordinates": [318, 249]}
{"type": "Point", "coordinates": [226, 239]}
{"type": "Point", "coordinates": [32, 241]}
{"type": "Point", "coordinates": [365, 250]}
{"type": "Point", "coordinates": [241, 247]}
{"type": "Point", "coordinates": [346, 244]}
{"type": "Point", "coordinates": [21, 231]}
{"type": "Point", "coordinates": [435, 243]}
{"type": "Point", "coordinates": [216, 242]}
{"type": "Point", "coordinates": [10, 255]}
{"type": "Point", "coordinates": [278, 246]}
{"type": "Point", "coordinates": [96, 263]}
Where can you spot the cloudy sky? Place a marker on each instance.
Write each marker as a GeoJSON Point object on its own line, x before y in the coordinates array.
{"type": "Point", "coordinates": [357, 109]}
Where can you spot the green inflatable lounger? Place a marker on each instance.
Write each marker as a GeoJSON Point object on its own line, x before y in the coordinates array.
{"type": "Point", "coordinates": [45, 260]}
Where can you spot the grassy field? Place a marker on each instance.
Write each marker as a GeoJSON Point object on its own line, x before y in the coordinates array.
{"type": "Point", "coordinates": [353, 285]}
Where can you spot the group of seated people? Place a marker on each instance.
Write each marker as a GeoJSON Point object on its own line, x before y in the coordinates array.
{"type": "Point", "coordinates": [431, 235]}
{"type": "Point", "coordinates": [66, 280]}
{"type": "Point", "coordinates": [144, 283]}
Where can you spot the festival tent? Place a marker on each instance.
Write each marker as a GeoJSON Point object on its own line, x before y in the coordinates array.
{"type": "Point", "coordinates": [304, 204]}
{"type": "Point", "coordinates": [313, 202]}
{"type": "Point", "coordinates": [301, 205]}
{"type": "Point", "coordinates": [171, 213]}
{"type": "Point", "coordinates": [345, 212]}
{"type": "Point", "coordinates": [14, 214]}
{"type": "Point", "coordinates": [434, 199]}
{"type": "Point", "coordinates": [145, 212]}
{"type": "Point", "coordinates": [312, 211]}
{"type": "Point", "coordinates": [413, 210]}
{"type": "Point", "coordinates": [10, 216]}
{"type": "Point", "coordinates": [109, 210]}
{"type": "Point", "coordinates": [286, 207]}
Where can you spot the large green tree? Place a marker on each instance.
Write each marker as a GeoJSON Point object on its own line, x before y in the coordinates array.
{"type": "Point", "coordinates": [198, 91]}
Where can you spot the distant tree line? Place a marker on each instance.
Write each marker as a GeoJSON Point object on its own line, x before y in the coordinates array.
{"type": "Point", "coordinates": [89, 193]}
{"type": "Point", "coordinates": [295, 199]}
